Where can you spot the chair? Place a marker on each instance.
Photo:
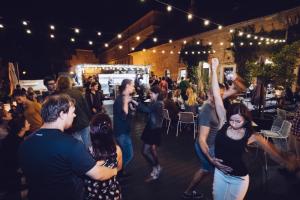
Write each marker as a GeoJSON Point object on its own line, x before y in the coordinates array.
{"type": "Point", "coordinates": [166, 117]}
{"type": "Point", "coordinates": [186, 118]}
{"type": "Point", "coordinates": [281, 134]}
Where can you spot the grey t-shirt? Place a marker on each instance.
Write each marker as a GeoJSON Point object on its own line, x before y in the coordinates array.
{"type": "Point", "coordinates": [208, 117]}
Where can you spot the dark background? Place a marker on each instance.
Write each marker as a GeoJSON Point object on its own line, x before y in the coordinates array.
{"type": "Point", "coordinates": [39, 55]}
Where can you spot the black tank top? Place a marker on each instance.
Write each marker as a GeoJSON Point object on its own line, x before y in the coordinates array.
{"type": "Point", "coordinates": [231, 151]}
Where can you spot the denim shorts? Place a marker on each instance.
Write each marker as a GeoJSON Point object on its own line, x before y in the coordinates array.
{"type": "Point", "coordinates": [205, 164]}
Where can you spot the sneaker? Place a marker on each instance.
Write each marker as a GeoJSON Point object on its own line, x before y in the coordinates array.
{"type": "Point", "coordinates": [156, 171]}
{"type": "Point", "coordinates": [193, 195]}
{"type": "Point", "coordinates": [153, 176]}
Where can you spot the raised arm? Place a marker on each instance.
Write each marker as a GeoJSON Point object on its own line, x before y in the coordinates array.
{"type": "Point", "coordinates": [221, 112]}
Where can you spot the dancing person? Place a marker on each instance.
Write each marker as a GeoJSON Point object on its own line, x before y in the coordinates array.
{"type": "Point", "coordinates": [104, 148]}
{"type": "Point", "coordinates": [122, 119]}
{"type": "Point", "coordinates": [54, 162]}
{"type": "Point", "coordinates": [151, 135]}
{"type": "Point", "coordinates": [231, 179]}
{"type": "Point", "coordinates": [94, 98]}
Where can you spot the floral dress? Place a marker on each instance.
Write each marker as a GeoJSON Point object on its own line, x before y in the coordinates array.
{"type": "Point", "coordinates": [106, 190]}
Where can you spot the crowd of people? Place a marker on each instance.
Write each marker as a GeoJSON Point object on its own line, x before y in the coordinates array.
{"type": "Point", "coordinates": [66, 147]}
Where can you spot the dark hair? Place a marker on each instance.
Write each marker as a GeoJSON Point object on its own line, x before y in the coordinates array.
{"type": "Point", "coordinates": [18, 93]}
{"type": "Point", "coordinates": [241, 109]}
{"type": "Point", "coordinates": [156, 89]}
{"type": "Point", "coordinates": [123, 85]}
{"type": "Point", "coordinates": [93, 84]}
{"type": "Point", "coordinates": [54, 105]}
{"type": "Point", "coordinates": [163, 78]}
{"type": "Point", "coordinates": [103, 142]}
{"type": "Point", "coordinates": [63, 83]}
{"type": "Point", "coordinates": [16, 124]}
{"type": "Point", "coordinates": [47, 79]}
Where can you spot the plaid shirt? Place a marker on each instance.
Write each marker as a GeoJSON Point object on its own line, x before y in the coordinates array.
{"type": "Point", "coordinates": [296, 124]}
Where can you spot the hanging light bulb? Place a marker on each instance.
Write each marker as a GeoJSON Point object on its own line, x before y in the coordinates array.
{"type": "Point", "coordinates": [144, 50]}
{"type": "Point", "coordinates": [220, 27]}
{"type": "Point", "coordinates": [242, 43]}
{"type": "Point", "coordinates": [171, 52]}
{"type": "Point", "coordinates": [248, 36]}
{"type": "Point", "coordinates": [77, 30]}
{"type": "Point", "coordinates": [138, 38]}
{"type": "Point", "coordinates": [119, 36]}
{"type": "Point", "coordinates": [193, 52]}
{"type": "Point", "coordinates": [72, 39]}
{"type": "Point", "coordinates": [231, 43]}
{"type": "Point", "coordinates": [28, 31]}
{"type": "Point", "coordinates": [99, 33]}
{"type": "Point", "coordinates": [155, 39]}
{"type": "Point", "coordinates": [198, 43]}
{"type": "Point", "coordinates": [251, 43]}
{"type": "Point", "coordinates": [206, 22]}
{"type": "Point", "coordinates": [221, 43]}
{"type": "Point", "coordinates": [186, 52]}
{"type": "Point", "coordinates": [90, 42]}
{"type": "Point", "coordinates": [52, 36]}
{"type": "Point", "coordinates": [163, 51]}
{"type": "Point", "coordinates": [231, 31]}
{"type": "Point", "coordinates": [25, 23]}
{"type": "Point", "coordinates": [184, 42]}
{"type": "Point", "coordinates": [255, 37]}
{"type": "Point", "coordinates": [169, 8]}
{"type": "Point", "coordinates": [106, 45]}
{"type": "Point", "coordinates": [52, 27]}
{"type": "Point", "coordinates": [210, 43]}
{"type": "Point", "coordinates": [170, 41]}
{"type": "Point", "coordinates": [120, 47]}
{"type": "Point", "coordinates": [1, 26]}
{"type": "Point", "coordinates": [154, 51]}
{"type": "Point", "coordinates": [178, 52]}
{"type": "Point", "coordinates": [132, 48]}
{"type": "Point", "coordinates": [241, 33]}
{"type": "Point", "coordinates": [190, 17]}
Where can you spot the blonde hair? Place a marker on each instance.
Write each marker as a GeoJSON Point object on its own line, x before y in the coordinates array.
{"type": "Point", "coordinates": [191, 97]}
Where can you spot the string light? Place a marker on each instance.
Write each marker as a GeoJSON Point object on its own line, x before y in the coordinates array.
{"type": "Point", "coordinates": [119, 36]}
{"type": "Point", "coordinates": [52, 36]}
{"type": "Point", "coordinates": [76, 30]}
{"type": "Point", "coordinates": [206, 22]}
{"type": "Point", "coordinates": [155, 39]}
{"type": "Point", "coordinates": [1, 26]}
{"type": "Point", "coordinates": [144, 50]}
{"type": "Point", "coordinates": [52, 27]}
{"type": "Point", "coordinates": [132, 48]}
{"type": "Point", "coordinates": [210, 43]}
{"type": "Point", "coordinates": [220, 27]}
{"type": "Point", "coordinates": [171, 52]}
{"type": "Point", "coordinates": [242, 43]}
{"type": "Point", "coordinates": [106, 45]}
{"type": "Point", "coordinates": [231, 44]}
{"type": "Point", "coordinates": [163, 51]}
{"type": "Point", "coordinates": [138, 38]}
{"type": "Point", "coordinates": [248, 36]}
{"type": "Point", "coordinates": [28, 31]}
{"type": "Point", "coordinates": [99, 33]}
{"type": "Point", "coordinates": [72, 39]}
{"type": "Point", "coordinates": [154, 51]}
{"type": "Point", "coordinates": [170, 41]}
{"type": "Point", "coordinates": [25, 23]}
{"type": "Point", "coordinates": [221, 43]}
{"type": "Point", "coordinates": [169, 8]}
{"type": "Point", "coordinates": [190, 17]}
{"type": "Point", "coordinates": [90, 42]}
{"type": "Point", "coordinates": [186, 52]}
{"type": "Point", "coordinates": [241, 33]}
{"type": "Point", "coordinates": [184, 42]}
{"type": "Point", "coordinates": [231, 31]}
{"type": "Point", "coordinates": [178, 52]}
{"type": "Point", "coordinates": [120, 47]}
{"type": "Point", "coordinates": [251, 43]}
{"type": "Point", "coordinates": [198, 43]}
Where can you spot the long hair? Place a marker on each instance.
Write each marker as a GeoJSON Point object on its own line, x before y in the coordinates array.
{"type": "Point", "coordinates": [157, 90]}
{"type": "Point", "coordinates": [191, 97]}
{"type": "Point", "coordinates": [123, 85]}
{"type": "Point", "coordinates": [241, 109]}
{"type": "Point", "coordinates": [103, 143]}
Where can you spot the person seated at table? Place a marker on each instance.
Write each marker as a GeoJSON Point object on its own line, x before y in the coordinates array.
{"type": "Point", "coordinates": [191, 104]}
{"type": "Point", "coordinates": [171, 106]}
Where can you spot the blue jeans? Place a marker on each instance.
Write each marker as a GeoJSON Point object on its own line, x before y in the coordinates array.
{"type": "Point", "coordinates": [125, 143]}
{"type": "Point", "coordinates": [229, 187]}
{"type": "Point", "coordinates": [84, 136]}
{"type": "Point", "coordinates": [205, 164]}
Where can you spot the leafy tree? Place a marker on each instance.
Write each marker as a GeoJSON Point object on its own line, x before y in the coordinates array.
{"type": "Point", "coordinates": [191, 55]}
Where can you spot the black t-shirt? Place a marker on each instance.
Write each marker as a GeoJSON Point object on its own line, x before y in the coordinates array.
{"type": "Point", "coordinates": [54, 164]}
{"type": "Point", "coordinates": [231, 151]}
{"type": "Point", "coordinates": [121, 119]}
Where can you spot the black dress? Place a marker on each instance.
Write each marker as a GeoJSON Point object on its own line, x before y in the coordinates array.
{"type": "Point", "coordinates": [107, 190]}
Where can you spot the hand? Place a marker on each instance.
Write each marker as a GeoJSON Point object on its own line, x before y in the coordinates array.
{"type": "Point", "coordinates": [26, 126]}
{"type": "Point", "coordinates": [214, 63]}
{"type": "Point", "coordinates": [134, 102]}
{"type": "Point", "coordinates": [94, 110]}
{"type": "Point", "coordinates": [218, 164]}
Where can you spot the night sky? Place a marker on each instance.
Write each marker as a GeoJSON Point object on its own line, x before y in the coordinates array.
{"type": "Point", "coordinates": [39, 55]}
